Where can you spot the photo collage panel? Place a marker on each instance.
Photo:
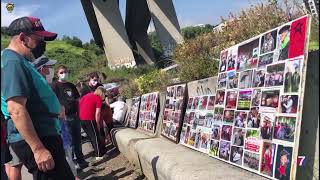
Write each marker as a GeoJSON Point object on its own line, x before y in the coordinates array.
{"type": "Point", "coordinates": [171, 123]}
{"type": "Point", "coordinates": [148, 112]}
{"type": "Point", "coordinates": [133, 114]}
{"type": "Point", "coordinates": [257, 101]}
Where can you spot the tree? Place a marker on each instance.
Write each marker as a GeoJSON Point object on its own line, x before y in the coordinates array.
{"type": "Point", "coordinates": [194, 31]}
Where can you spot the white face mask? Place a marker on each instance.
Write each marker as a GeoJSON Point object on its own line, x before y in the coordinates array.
{"type": "Point", "coordinates": [93, 82]}
{"type": "Point", "coordinates": [63, 76]}
{"type": "Point", "coordinates": [49, 77]}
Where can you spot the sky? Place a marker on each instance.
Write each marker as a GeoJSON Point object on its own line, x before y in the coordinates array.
{"type": "Point", "coordinates": [66, 17]}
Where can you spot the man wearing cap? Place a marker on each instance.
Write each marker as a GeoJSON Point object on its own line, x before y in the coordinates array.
{"type": "Point", "coordinates": [29, 105]}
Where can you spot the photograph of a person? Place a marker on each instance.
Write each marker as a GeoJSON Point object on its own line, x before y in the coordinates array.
{"type": "Point", "coordinates": [251, 160]}
{"type": "Point", "coordinates": [275, 75]}
{"type": "Point", "coordinates": [231, 99]}
{"type": "Point", "coordinates": [220, 96]}
{"type": "Point", "coordinates": [190, 101]}
{"type": "Point", "coordinates": [223, 61]}
{"type": "Point", "coordinates": [211, 102]}
{"type": "Point", "coordinates": [253, 120]}
{"type": "Point", "coordinates": [222, 80]}
{"type": "Point", "coordinates": [288, 104]}
{"type": "Point", "coordinates": [224, 150]}
{"type": "Point", "coordinates": [203, 102]}
{"type": "Point", "coordinates": [244, 100]}
{"type": "Point", "coordinates": [232, 80]}
{"type": "Point", "coordinates": [283, 42]}
{"type": "Point", "coordinates": [236, 155]}
{"type": "Point", "coordinates": [214, 148]}
{"type": "Point", "coordinates": [292, 76]}
{"type": "Point", "coordinates": [259, 78]}
{"type": "Point", "coordinates": [232, 59]}
{"type": "Point", "coordinates": [267, 120]}
{"type": "Point", "coordinates": [187, 135]}
{"type": "Point", "coordinates": [195, 103]}
{"type": "Point", "coordinates": [228, 116]}
{"type": "Point", "coordinates": [265, 60]}
{"type": "Point", "coordinates": [268, 42]}
{"type": "Point", "coordinates": [197, 138]}
{"type": "Point", "coordinates": [240, 119]}
{"type": "Point", "coordinates": [191, 140]}
{"type": "Point", "coordinates": [238, 136]}
{"type": "Point", "coordinates": [252, 140]}
{"type": "Point", "coordinates": [216, 131]}
{"type": "Point", "coordinates": [284, 128]}
{"type": "Point", "coordinates": [209, 119]}
{"type": "Point", "coordinates": [226, 132]}
{"type": "Point", "coordinates": [245, 79]}
{"type": "Point", "coordinates": [182, 135]}
{"type": "Point", "coordinates": [267, 160]}
{"type": "Point", "coordinates": [270, 100]}
{"type": "Point", "coordinates": [218, 114]}
{"type": "Point", "coordinates": [204, 141]}
{"type": "Point", "coordinates": [256, 97]}
{"type": "Point", "coordinates": [283, 162]}
{"type": "Point", "coordinates": [180, 91]}
{"type": "Point", "coordinates": [248, 55]}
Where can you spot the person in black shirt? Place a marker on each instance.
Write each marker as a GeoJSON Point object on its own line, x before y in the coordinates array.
{"type": "Point", "coordinates": [92, 84]}
{"type": "Point", "coordinates": [69, 97]}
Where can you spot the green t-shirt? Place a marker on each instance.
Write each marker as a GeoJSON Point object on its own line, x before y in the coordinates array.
{"type": "Point", "coordinates": [20, 78]}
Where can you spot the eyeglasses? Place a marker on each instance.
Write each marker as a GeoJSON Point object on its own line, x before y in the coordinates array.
{"type": "Point", "coordinates": [63, 72]}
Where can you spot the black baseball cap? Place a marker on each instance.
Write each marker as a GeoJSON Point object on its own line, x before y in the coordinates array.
{"type": "Point", "coordinates": [30, 25]}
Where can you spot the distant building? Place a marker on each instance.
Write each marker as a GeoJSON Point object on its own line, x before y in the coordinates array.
{"type": "Point", "coordinates": [312, 7]}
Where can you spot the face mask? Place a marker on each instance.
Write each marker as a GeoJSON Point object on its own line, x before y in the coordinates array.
{"type": "Point", "coordinates": [39, 49]}
{"type": "Point", "coordinates": [93, 82]}
{"type": "Point", "coordinates": [63, 77]}
{"type": "Point", "coordinates": [49, 77]}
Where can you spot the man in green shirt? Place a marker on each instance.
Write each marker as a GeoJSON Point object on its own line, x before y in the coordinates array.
{"type": "Point", "coordinates": [29, 105]}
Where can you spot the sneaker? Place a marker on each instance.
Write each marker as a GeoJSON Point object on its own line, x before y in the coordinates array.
{"type": "Point", "coordinates": [99, 158]}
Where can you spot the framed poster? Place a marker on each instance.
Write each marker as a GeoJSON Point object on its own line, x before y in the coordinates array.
{"type": "Point", "coordinates": [148, 113]}
{"type": "Point", "coordinates": [134, 111]}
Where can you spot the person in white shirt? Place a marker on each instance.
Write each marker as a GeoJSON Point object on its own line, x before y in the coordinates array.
{"type": "Point", "coordinates": [119, 110]}
{"type": "Point", "coordinates": [288, 105]}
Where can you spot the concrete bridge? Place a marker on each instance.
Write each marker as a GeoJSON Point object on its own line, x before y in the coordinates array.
{"type": "Point", "coordinates": [126, 43]}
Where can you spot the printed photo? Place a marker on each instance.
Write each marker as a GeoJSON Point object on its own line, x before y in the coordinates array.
{"type": "Point", "coordinates": [268, 42]}
{"type": "Point", "coordinates": [203, 102]}
{"type": "Point", "coordinates": [231, 99]}
{"type": "Point", "coordinates": [226, 132]}
{"type": "Point", "coordinates": [245, 80]}
{"type": "Point", "coordinates": [201, 118]}
{"type": "Point", "coordinates": [218, 114]}
{"type": "Point", "coordinates": [216, 131]}
{"type": "Point", "coordinates": [220, 97]}
{"type": "Point", "coordinates": [204, 141]}
{"type": "Point", "coordinates": [228, 116]}
{"type": "Point", "coordinates": [191, 140]}
{"type": "Point", "coordinates": [283, 162]}
{"type": "Point", "coordinates": [224, 151]}
{"type": "Point", "coordinates": [292, 76]}
{"type": "Point", "coordinates": [240, 119]}
{"type": "Point", "coordinates": [223, 61]}
{"type": "Point", "coordinates": [187, 135]}
{"type": "Point", "coordinates": [214, 148]}
{"type": "Point", "coordinates": [236, 155]}
{"type": "Point", "coordinates": [258, 78]}
{"type": "Point", "coordinates": [238, 136]}
{"type": "Point", "coordinates": [275, 75]}
{"type": "Point", "coordinates": [176, 118]}
{"type": "Point", "coordinates": [254, 118]}
{"type": "Point", "coordinates": [248, 55]}
{"type": "Point", "coordinates": [283, 42]}
{"type": "Point", "coordinates": [189, 106]}
{"type": "Point", "coordinates": [267, 120]}
{"type": "Point", "coordinates": [232, 79]}
{"type": "Point", "coordinates": [252, 141]}
{"type": "Point", "coordinates": [180, 91]}
{"type": "Point", "coordinates": [195, 103]}
{"type": "Point", "coordinates": [267, 161]}
{"type": "Point", "coordinates": [244, 100]}
{"type": "Point", "coordinates": [288, 104]}
{"type": "Point", "coordinates": [270, 100]}
{"type": "Point", "coordinates": [182, 135]}
{"type": "Point", "coordinates": [265, 60]}
{"type": "Point", "coordinates": [251, 160]}
{"type": "Point", "coordinates": [211, 103]}
{"type": "Point", "coordinates": [209, 119]}
{"type": "Point", "coordinates": [256, 97]}
{"type": "Point", "coordinates": [232, 56]}
{"type": "Point", "coordinates": [197, 138]}
{"type": "Point", "coordinates": [284, 128]}
{"type": "Point", "coordinates": [222, 80]}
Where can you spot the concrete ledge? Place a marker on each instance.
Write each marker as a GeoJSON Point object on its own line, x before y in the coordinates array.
{"type": "Point", "coordinates": [161, 159]}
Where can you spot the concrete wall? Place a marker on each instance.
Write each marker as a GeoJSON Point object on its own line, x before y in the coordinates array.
{"type": "Point", "coordinates": [116, 43]}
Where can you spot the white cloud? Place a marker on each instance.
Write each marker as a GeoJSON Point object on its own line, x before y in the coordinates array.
{"type": "Point", "coordinates": [18, 11]}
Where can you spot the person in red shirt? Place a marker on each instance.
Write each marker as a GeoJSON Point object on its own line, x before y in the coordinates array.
{"type": "Point", "coordinates": [90, 116]}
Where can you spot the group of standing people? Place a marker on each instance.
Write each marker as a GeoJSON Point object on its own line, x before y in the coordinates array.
{"type": "Point", "coordinates": [43, 119]}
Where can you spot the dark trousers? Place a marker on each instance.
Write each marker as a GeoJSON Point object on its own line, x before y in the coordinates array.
{"type": "Point", "coordinates": [54, 144]}
{"type": "Point", "coordinates": [90, 127]}
{"type": "Point", "coordinates": [74, 125]}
